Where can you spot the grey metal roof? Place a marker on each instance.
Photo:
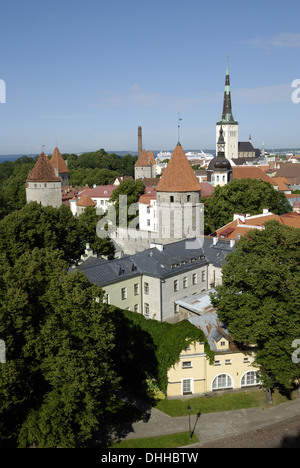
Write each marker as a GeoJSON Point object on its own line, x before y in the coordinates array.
{"type": "Point", "coordinates": [173, 259]}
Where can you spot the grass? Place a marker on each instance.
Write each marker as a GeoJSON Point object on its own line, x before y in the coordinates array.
{"type": "Point", "coordinates": [167, 441]}
{"type": "Point", "coordinates": [221, 402]}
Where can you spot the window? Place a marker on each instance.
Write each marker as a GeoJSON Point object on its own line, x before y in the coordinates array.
{"type": "Point", "coordinates": [148, 210]}
{"type": "Point", "coordinates": [187, 386]}
{"type": "Point", "coordinates": [227, 362]}
{"type": "Point", "coordinates": [194, 278]}
{"type": "Point", "coordinates": [185, 282]}
{"type": "Point", "coordinates": [186, 364]}
{"type": "Point", "coordinates": [250, 378]}
{"type": "Point", "coordinates": [171, 199]}
{"type": "Point", "coordinates": [175, 285]}
{"type": "Point", "coordinates": [188, 198]}
{"type": "Point", "coordinates": [146, 308]}
{"type": "Point", "coordinates": [136, 289]}
{"type": "Point", "coordinates": [148, 222]}
{"type": "Point", "coordinates": [146, 288]}
{"type": "Point", "coordinates": [136, 308]}
{"type": "Point", "coordinates": [246, 360]}
{"type": "Point", "coordinates": [223, 343]}
{"type": "Point", "coordinates": [222, 381]}
{"type": "Point", "coordinates": [176, 308]}
{"type": "Point", "coordinates": [217, 363]}
{"type": "Point", "coordinates": [124, 293]}
{"type": "Point", "coordinates": [203, 275]}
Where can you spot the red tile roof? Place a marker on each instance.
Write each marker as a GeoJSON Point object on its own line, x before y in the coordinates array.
{"type": "Point", "coordinates": [43, 171]}
{"type": "Point", "coordinates": [58, 162]}
{"type": "Point", "coordinates": [145, 159]}
{"type": "Point", "coordinates": [251, 172]}
{"type": "Point", "coordinates": [178, 175]}
{"type": "Point", "coordinates": [85, 200]}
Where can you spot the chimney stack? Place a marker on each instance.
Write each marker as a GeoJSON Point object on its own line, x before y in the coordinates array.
{"type": "Point", "coordinates": [140, 146]}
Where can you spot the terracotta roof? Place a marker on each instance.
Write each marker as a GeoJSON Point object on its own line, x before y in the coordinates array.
{"type": "Point", "coordinates": [85, 200]}
{"type": "Point", "coordinates": [178, 175]}
{"type": "Point", "coordinates": [283, 183]}
{"type": "Point", "coordinates": [101, 191]}
{"type": "Point", "coordinates": [290, 171]}
{"type": "Point", "coordinates": [58, 162]}
{"type": "Point", "coordinates": [145, 159]}
{"type": "Point", "coordinates": [146, 198]}
{"type": "Point", "coordinates": [42, 171]}
{"type": "Point", "coordinates": [241, 227]}
{"type": "Point", "coordinates": [251, 172]}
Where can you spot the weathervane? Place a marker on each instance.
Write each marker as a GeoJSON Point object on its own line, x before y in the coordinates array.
{"type": "Point", "coordinates": [179, 119]}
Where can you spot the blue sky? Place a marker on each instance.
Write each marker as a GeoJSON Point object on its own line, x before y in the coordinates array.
{"type": "Point", "coordinates": [84, 75]}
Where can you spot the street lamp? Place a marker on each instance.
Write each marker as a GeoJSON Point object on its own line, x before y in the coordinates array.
{"type": "Point", "coordinates": [189, 413]}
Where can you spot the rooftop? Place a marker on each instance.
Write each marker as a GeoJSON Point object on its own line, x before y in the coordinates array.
{"type": "Point", "coordinates": [43, 171]}
{"type": "Point", "coordinates": [178, 175]}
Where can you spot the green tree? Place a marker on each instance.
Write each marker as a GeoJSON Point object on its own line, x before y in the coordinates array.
{"type": "Point", "coordinates": [38, 226]}
{"type": "Point", "coordinates": [243, 196]}
{"type": "Point", "coordinates": [131, 190]}
{"type": "Point", "coordinates": [58, 377]}
{"type": "Point", "coordinates": [259, 300]}
{"type": "Point", "coordinates": [87, 223]}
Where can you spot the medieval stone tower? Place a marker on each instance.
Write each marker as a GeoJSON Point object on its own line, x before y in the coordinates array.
{"type": "Point", "coordinates": [42, 185]}
{"type": "Point", "coordinates": [229, 125]}
{"type": "Point", "coordinates": [178, 197]}
{"type": "Point", "coordinates": [60, 167]}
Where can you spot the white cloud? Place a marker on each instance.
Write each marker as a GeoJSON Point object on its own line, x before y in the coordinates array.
{"type": "Point", "coordinates": [282, 40]}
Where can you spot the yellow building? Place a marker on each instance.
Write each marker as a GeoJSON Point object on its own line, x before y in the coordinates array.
{"type": "Point", "coordinates": [194, 373]}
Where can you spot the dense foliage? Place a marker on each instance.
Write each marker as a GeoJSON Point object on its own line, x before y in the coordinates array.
{"type": "Point", "coordinates": [148, 348]}
{"type": "Point", "coordinates": [242, 196]}
{"type": "Point", "coordinates": [35, 226]}
{"type": "Point", "coordinates": [259, 299]}
{"type": "Point", "coordinates": [98, 167]}
{"type": "Point", "coordinates": [58, 377]}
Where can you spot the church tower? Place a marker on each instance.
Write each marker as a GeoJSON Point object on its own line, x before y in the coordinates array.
{"type": "Point", "coordinates": [219, 171]}
{"type": "Point", "coordinates": [178, 197]}
{"type": "Point", "coordinates": [229, 125]}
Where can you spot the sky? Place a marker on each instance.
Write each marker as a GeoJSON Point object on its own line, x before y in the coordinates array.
{"type": "Point", "coordinates": [83, 75]}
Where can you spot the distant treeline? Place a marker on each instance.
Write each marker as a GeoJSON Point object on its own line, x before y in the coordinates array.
{"type": "Point", "coordinates": [97, 168]}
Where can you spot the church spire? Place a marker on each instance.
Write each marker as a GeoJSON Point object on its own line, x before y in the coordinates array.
{"type": "Point", "coordinates": [227, 116]}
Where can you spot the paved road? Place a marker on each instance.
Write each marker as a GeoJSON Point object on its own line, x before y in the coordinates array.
{"type": "Point", "coordinates": [278, 426]}
{"type": "Point", "coordinates": [285, 434]}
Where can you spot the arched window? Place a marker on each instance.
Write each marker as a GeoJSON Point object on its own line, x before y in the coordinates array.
{"type": "Point", "coordinates": [222, 381]}
{"type": "Point", "coordinates": [250, 378]}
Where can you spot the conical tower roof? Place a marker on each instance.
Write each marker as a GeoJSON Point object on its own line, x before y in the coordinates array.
{"type": "Point", "coordinates": [58, 162]}
{"type": "Point", "coordinates": [43, 171]}
{"type": "Point", "coordinates": [178, 175]}
{"type": "Point", "coordinates": [145, 159]}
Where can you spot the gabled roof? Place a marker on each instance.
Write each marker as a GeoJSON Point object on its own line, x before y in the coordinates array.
{"type": "Point", "coordinates": [290, 171]}
{"type": "Point", "coordinates": [251, 172]}
{"type": "Point", "coordinates": [43, 171]}
{"type": "Point", "coordinates": [178, 175]}
{"type": "Point", "coordinates": [85, 201]}
{"type": "Point", "coordinates": [244, 224]}
{"type": "Point", "coordinates": [58, 162]}
{"type": "Point", "coordinates": [145, 159]}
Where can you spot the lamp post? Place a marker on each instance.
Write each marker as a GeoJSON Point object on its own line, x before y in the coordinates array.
{"type": "Point", "coordinates": [189, 413]}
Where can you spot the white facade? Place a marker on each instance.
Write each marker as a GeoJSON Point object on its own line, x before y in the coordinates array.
{"type": "Point", "coordinates": [148, 219]}
{"type": "Point", "coordinates": [231, 137]}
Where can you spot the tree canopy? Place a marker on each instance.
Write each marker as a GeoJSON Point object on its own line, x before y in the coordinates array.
{"type": "Point", "coordinates": [55, 228]}
{"type": "Point", "coordinates": [242, 196]}
{"type": "Point", "coordinates": [259, 299]}
{"type": "Point", "coordinates": [58, 377]}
